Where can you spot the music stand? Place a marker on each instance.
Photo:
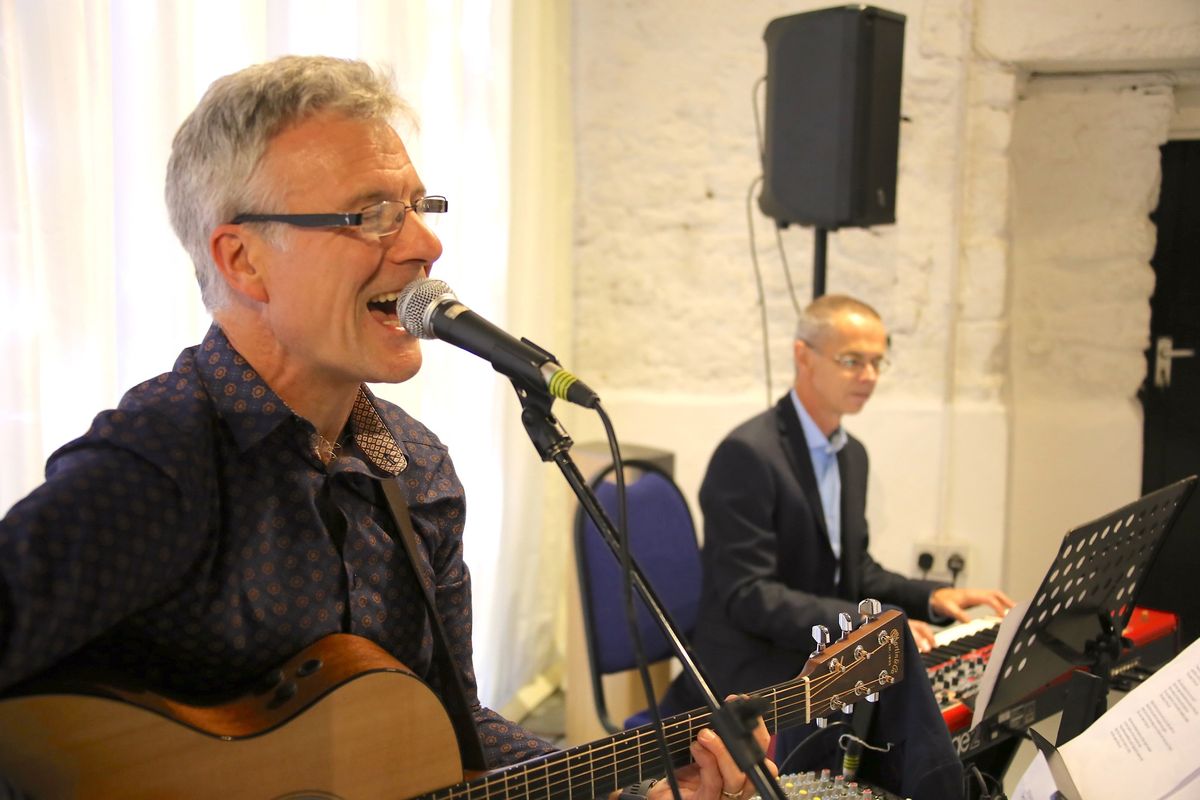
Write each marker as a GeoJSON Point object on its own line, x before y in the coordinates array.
{"type": "Point", "coordinates": [1084, 603]}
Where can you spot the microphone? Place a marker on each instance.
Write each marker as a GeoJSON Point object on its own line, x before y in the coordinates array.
{"type": "Point", "coordinates": [428, 309]}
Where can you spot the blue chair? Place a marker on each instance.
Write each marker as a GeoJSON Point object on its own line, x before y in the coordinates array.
{"type": "Point", "coordinates": [663, 543]}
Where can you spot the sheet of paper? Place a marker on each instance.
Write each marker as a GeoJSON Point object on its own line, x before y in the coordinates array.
{"type": "Point", "coordinates": [1147, 745]}
{"type": "Point", "coordinates": [991, 673]}
{"type": "Point", "coordinates": [1037, 783]}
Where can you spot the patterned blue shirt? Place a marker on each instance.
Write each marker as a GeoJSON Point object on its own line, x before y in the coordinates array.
{"type": "Point", "coordinates": [194, 537]}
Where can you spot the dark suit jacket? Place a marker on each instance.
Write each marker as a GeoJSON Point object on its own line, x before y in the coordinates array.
{"type": "Point", "coordinates": [768, 574]}
{"type": "Point", "coordinates": [768, 568]}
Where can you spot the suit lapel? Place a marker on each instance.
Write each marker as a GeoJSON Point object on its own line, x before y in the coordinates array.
{"type": "Point", "coordinates": [795, 447]}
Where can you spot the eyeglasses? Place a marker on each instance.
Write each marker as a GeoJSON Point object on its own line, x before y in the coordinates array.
{"type": "Point", "coordinates": [380, 219]}
{"type": "Point", "coordinates": [855, 362]}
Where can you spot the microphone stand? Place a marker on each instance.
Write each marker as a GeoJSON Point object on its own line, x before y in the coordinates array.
{"type": "Point", "coordinates": [734, 721]}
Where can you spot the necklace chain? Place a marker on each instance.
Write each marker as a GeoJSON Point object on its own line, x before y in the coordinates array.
{"type": "Point", "coordinates": [326, 450]}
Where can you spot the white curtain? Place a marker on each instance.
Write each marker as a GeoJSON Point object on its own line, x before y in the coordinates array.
{"type": "Point", "coordinates": [96, 292]}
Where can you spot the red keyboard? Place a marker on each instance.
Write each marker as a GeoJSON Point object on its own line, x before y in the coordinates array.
{"type": "Point", "coordinates": [956, 666]}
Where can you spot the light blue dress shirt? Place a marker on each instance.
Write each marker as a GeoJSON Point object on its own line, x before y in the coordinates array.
{"type": "Point", "coordinates": [822, 451]}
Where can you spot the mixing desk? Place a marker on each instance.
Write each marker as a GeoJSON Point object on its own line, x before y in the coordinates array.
{"type": "Point", "coordinates": [826, 786]}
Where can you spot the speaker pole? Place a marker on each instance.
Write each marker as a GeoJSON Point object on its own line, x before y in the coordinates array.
{"type": "Point", "coordinates": [819, 243]}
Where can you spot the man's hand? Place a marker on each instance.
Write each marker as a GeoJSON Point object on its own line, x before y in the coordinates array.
{"type": "Point", "coordinates": [952, 602]}
{"type": "Point", "coordinates": [922, 634]}
{"type": "Point", "coordinates": [713, 775]}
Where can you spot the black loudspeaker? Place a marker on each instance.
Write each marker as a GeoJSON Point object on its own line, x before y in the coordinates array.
{"type": "Point", "coordinates": [833, 117]}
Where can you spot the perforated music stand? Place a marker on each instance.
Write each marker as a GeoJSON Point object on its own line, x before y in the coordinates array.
{"type": "Point", "coordinates": [1084, 603]}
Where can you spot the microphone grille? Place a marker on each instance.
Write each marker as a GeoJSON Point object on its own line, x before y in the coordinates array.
{"type": "Point", "coordinates": [416, 303]}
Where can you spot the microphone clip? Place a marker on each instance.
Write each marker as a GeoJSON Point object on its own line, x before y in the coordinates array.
{"type": "Point", "coordinates": [549, 437]}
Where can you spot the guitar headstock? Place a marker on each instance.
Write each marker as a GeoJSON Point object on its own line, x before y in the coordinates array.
{"type": "Point", "coordinates": [863, 662]}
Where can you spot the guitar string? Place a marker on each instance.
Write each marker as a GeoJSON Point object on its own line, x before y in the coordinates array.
{"type": "Point", "coordinates": [623, 754]}
{"type": "Point", "coordinates": [604, 763]}
{"type": "Point", "coordinates": [615, 762]}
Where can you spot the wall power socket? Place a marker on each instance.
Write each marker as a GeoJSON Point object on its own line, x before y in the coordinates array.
{"type": "Point", "coordinates": [943, 555]}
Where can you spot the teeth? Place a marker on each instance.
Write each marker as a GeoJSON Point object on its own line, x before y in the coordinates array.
{"type": "Point", "coordinates": [392, 323]}
{"type": "Point", "coordinates": [386, 297]}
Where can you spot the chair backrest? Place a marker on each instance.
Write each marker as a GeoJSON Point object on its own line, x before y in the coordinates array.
{"type": "Point", "coordinates": [663, 543]}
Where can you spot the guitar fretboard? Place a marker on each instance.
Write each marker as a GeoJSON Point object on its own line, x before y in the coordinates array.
{"type": "Point", "coordinates": [594, 769]}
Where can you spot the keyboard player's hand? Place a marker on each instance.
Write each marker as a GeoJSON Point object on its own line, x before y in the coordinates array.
{"type": "Point", "coordinates": [922, 635]}
{"type": "Point", "coordinates": [950, 601]}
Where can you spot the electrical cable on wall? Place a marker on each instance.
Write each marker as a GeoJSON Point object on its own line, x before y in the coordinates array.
{"type": "Point", "coordinates": [758, 279]}
{"type": "Point", "coordinates": [758, 282]}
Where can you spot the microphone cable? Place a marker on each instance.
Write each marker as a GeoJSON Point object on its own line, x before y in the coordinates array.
{"type": "Point", "coordinates": [635, 635]}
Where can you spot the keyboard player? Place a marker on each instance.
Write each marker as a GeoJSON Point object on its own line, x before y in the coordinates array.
{"type": "Point", "coordinates": [785, 529]}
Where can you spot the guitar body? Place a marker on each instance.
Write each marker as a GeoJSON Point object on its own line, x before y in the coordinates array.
{"type": "Point", "coordinates": [343, 719]}
{"type": "Point", "coordinates": [382, 733]}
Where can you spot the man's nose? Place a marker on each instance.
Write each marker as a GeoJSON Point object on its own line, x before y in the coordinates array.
{"type": "Point", "coordinates": [415, 240]}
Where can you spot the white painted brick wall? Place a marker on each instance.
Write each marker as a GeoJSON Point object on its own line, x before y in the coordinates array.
{"type": "Point", "coordinates": [992, 327]}
{"type": "Point", "coordinates": [1086, 165]}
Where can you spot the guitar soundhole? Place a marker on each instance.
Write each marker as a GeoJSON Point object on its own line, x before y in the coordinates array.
{"type": "Point", "coordinates": [284, 693]}
{"type": "Point", "coordinates": [309, 667]}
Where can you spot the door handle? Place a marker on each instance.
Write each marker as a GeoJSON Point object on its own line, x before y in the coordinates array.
{"type": "Point", "coordinates": [1164, 353]}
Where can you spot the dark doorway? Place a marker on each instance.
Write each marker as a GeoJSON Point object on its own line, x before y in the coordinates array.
{"type": "Point", "coordinates": [1171, 393]}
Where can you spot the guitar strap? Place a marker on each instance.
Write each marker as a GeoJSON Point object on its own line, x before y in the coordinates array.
{"type": "Point", "coordinates": [455, 694]}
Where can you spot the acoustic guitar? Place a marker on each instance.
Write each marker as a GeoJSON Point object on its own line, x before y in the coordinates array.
{"type": "Point", "coordinates": [343, 720]}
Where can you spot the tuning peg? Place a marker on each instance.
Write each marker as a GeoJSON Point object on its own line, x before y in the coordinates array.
{"type": "Point", "coordinates": [869, 609]}
{"type": "Point", "coordinates": [848, 708]}
{"type": "Point", "coordinates": [820, 635]}
{"type": "Point", "coordinates": [885, 678]}
{"type": "Point", "coordinates": [821, 721]}
{"type": "Point", "coordinates": [846, 623]}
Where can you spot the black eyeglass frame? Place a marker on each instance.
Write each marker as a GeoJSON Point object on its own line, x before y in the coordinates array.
{"type": "Point", "coordinates": [432, 204]}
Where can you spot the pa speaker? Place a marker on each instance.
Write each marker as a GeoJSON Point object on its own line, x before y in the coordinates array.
{"type": "Point", "coordinates": [832, 117]}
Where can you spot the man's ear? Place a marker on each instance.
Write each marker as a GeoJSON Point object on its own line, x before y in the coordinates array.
{"type": "Point", "coordinates": [801, 353]}
{"type": "Point", "coordinates": [238, 254]}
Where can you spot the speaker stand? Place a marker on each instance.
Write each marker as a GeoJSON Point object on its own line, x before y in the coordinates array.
{"type": "Point", "coordinates": [820, 243]}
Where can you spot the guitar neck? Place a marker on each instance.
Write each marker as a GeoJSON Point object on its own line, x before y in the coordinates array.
{"type": "Point", "coordinates": [858, 665]}
{"type": "Point", "coordinates": [595, 769]}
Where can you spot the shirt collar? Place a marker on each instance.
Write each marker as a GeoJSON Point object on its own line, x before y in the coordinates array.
{"type": "Point", "coordinates": [373, 437]}
{"type": "Point", "coordinates": [830, 445]}
{"type": "Point", "coordinates": [252, 409]}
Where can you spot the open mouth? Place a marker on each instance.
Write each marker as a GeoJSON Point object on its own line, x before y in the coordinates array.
{"type": "Point", "coordinates": [383, 309]}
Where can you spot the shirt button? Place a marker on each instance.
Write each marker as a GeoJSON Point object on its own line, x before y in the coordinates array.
{"type": "Point", "coordinates": [357, 582]}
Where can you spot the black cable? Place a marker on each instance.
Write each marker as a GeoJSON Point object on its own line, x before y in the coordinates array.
{"type": "Point", "coordinates": [973, 774]}
{"type": "Point", "coordinates": [762, 146]}
{"type": "Point", "coordinates": [630, 610]}
{"type": "Point", "coordinates": [762, 298]}
{"type": "Point", "coordinates": [955, 564]}
{"type": "Point", "coordinates": [1020, 733]}
{"type": "Point", "coordinates": [999, 795]}
{"type": "Point", "coordinates": [758, 132]}
{"type": "Point", "coordinates": [787, 271]}
{"type": "Point", "coordinates": [806, 741]}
